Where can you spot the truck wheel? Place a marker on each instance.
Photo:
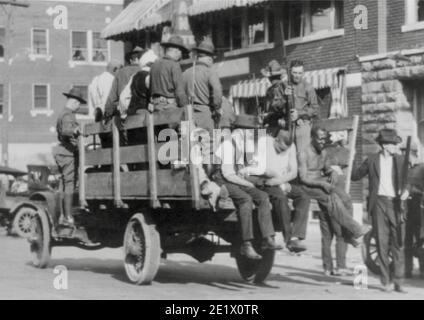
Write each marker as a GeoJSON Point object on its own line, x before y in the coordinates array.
{"type": "Point", "coordinates": [22, 222]}
{"type": "Point", "coordinates": [142, 249]}
{"type": "Point", "coordinates": [255, 271]}
{"type": "Point", "coordinates": [40, 239]}
{"type": "Point", "coordinates": [370, 253]}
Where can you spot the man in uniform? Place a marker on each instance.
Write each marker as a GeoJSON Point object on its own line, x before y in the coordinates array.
{"type": "Point", "coordinates": [166, 78]}
{"type": "Point", "coordinates": [202, 84]}
{"type": "Point", "coordinates": [305, 108]}
{"type": "Point", "coordinates": [66, 152]}
{"type": "Point", "coordinates": [385, 179]}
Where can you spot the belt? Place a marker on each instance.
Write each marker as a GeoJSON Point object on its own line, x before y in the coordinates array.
{"type": "Point", "coordinates": [387, 198]}
{"type": "Point", "coordinates": [161, 99]}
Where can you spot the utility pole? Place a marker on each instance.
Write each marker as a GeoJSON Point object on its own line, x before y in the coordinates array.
{"type": "Point", "coordinates": [8, 6]}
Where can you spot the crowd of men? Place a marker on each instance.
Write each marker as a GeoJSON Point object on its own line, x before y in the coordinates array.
{"type": "Point", "coordinates": [292, 161]}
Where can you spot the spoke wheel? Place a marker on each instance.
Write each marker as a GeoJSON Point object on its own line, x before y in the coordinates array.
{"type": "Point", "coordinates": [141, 250]}
{"type": "Point", "coordinates": [40, 240]}
{"type": "Point", "coordinates": [370, 253]}
{"type": "Point", "coordinates": [22, 222]}
{"type": "Point", "coordinates": [255, 271]}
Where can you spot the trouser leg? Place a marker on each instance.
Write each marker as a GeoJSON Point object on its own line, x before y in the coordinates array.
{"type": "Point", "coordinates": [326, 239]}
{"type": "Point", "coordinates": [261, 201]}
{"type": "Point", "coordinates": [412, 223]}
{"type": "Point", "coordinates": [398, 253]}
{"type": "Point", "coordinates": [341, 245]}
{"type": "Point", "coordinates": [280, 210]}
{"type": "Point", "coordinates": [244, 204]}
{"type": "Point", "coordinates": [301, 203]}
{"type": "Point", "coordinates": [303, 135]}
{"type": "Point", "coordinates": [381, 226]}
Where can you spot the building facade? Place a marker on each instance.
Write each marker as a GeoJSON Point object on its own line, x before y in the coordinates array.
{"type": "Point", "coordinates": [54, 46]}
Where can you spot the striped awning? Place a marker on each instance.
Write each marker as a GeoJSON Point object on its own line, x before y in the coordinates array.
{"type": "Point", "coordinates": [137, 15]}
{"type": "Point", "coordinates": [203, 6]}
{"type": "Point", "coordinates": [319, 79]}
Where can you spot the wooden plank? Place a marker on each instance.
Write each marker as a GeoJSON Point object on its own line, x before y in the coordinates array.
{"type": "Point", "coordinates": [336, 124]}
{"type": "Point", "coordinates": [194, 173]}
{"type": "Point", "coordinates": [81, 173]}
{"type": "Point", "coordinates": [116, 167]}
{"type": "Point", "coordinates": [171, 183]}
{"type": "Point", "coordinates": [153, 179]}
{"type": "Point", "coordinates": [137, 121]}
{"type": "Point", "coordinates": [352, 146]}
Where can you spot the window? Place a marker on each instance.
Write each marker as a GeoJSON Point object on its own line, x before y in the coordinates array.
{"type": "Point", "coordinates": [41, 97]}
{"type": "Point", "coordinates": [312, 17]}
{"type": "Point", "coordinates": [89, 47]}
{"type": "Point", "coordinates": [40, 42]}
{"type": "Point", "coordinates": [100, 48]}
{"type": "Point", "coordinates": [2, 40]}
{"type": "Point", "coordinates": [1, 99]}
{"type": "Point", "coordinates": [414, 17]}
{"type": "Point", "coordinates": [79, 46]}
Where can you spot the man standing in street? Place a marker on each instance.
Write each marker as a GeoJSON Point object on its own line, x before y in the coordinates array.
{"type": "Point", "coordinates": [305, 108]}
{"type": "Point", "coordinates": [385, 180]}
{"type": "Point", "coordinates": [166, 78]}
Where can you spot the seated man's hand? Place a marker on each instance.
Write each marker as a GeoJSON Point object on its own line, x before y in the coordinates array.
{"type": "Point", "coordinates": [337, 170]}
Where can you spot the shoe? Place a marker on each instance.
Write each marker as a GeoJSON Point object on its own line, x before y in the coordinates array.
{"type": "Point", "coordinates": [269, 244]}
{"type": "Point", "coordinates": [387, 288]}
{"type": "Point", "coordinates": [328, 273]}
{"type": "Point", "coordinates": [82, 235]}
{"type": "Point", "coordinates": [226, 204]}
{"type": "Point", "coordinates": [399, 289]}
{"type": "Point", "coordinates": [353, 242]}
{"type": "Point", "coordinates": [249, 252]}
{"type": "Point", "coordinates": [296, 246]}
{"type": "Point", "coordinates": [66, 222]}
{"type": "Point", "coordinates": [343, 272]}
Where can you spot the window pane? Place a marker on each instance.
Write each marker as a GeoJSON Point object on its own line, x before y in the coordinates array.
{"type": "Point", "coordinates": [339, 14]}
{"type": "Point", "coordinates": [420, 10]}
{"type": "Point", "coordinates": [79, 46]}
{"type": "Point", "coordinates": [292, 19]}
{"type": "Point", "coordinates": [256, 25]}
{"type": "Point", "coordinates": [321, 16]}
{"type": "Point", "coordinates": [39, 41]}
{"type": "Point", "coordinates": [2, 38]}
{"type": "Point", "coordinates": [84, 107]}
{"type": "Point", "coordinates": [1, 99]}
{"type": "Point", "coordinates": [221, 33]}
{"type": "Point", "coordinates": [40, 97]}
{"type": "Point", "coordinates": [100, 52]}
{"type": "Point", "coordinates": [236, 31]}
{"type": "Point", "coordinates": [271, 26]}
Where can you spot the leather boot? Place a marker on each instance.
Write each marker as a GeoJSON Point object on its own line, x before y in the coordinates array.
{"type": "Point", "coordinates": [249, 252]}
{"type": "Point", "coordinates": [269, 244]}
{"type": "Point", "coordinates": [67, 208]}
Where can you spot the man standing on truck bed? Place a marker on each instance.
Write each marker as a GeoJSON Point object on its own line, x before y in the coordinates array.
{"type": "Point", "coordinates": [166, 77]}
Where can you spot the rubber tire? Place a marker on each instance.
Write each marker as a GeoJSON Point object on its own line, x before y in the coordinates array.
{"type": "Point", "coordinates": [152, 250]}
{"type": "Point", "coordinates": [16, 228]}
{"type": "Point", "coordinates": [255, 271]}
{"type": "Point", "coordinates": [41, 252]}
{"type": "Point", "coordinates": [369, 257]}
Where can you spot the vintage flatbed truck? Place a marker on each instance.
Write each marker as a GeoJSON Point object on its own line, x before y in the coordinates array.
{"type": "Point", "coordinates": [151, 211]}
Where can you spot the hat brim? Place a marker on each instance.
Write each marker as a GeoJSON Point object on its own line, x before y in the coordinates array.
{"type": "Point", "coordinates": [396, 140]}
{"type": "Point", "coordinates": [71, 96]}
{"type": "Point", "coordinates": [173, 45]}
{"type": "Point", "coordinates": [204, 51]}
{"type": "Point", "coordinates": [269, 74]}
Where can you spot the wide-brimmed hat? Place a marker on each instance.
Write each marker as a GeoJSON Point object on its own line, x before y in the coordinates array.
{"type": "Point", "coordinates": [206, 47]}
{"type": "Point", "coordinates": [148, 58]}
{"type": "Point", "coordinates": [273, 69]}
{"type": "Point", "coordinates": [175, 42]}
{"type": "Point", "coordinates": [76, 94]}
{"type": "Point", "coordinates": [137, 49]}
{"type": "Point", "coordinates": [388, 136]}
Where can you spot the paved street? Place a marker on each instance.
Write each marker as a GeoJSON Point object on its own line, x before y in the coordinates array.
{"type": "Point", "coordinates": [100, 275]}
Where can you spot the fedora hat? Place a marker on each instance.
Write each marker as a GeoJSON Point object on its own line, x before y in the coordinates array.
{"type": "Point", "coordinates": [137, 49]}
{"type": "Point", "coordinates": [388, 136]}
{"type": "Point", "coordinates": [273, 69]}
{"type": "Point", "coordinates": [206, 47]}
{"type": "Point", "coordinates": [175, 42]}
{"type": "Point", "coordinates": [76, 94]}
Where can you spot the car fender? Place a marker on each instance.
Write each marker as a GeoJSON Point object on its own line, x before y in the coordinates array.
{"type": "Point", "coordinates": [42, 200]}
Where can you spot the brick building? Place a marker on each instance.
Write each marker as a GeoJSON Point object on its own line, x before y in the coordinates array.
{"type": "Point", "coordinates": [368, 54]}
{"type": "Point", "coordinates": [45, 62]}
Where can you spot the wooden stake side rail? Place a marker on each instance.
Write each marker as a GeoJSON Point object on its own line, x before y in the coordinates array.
{"type": "Point", "coordinates": [153, 183]}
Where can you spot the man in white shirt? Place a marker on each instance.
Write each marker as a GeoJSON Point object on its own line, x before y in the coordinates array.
{"type": "Point", "coordinates": [274, 173]}
{"type": "Point", "coordinates": [100, 86]}
{"type": "Point", "coordinates": [244, 195]}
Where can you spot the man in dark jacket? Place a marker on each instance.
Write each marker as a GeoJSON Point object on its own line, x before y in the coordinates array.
{"type": "Point", "coordinates": [385, 180]}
